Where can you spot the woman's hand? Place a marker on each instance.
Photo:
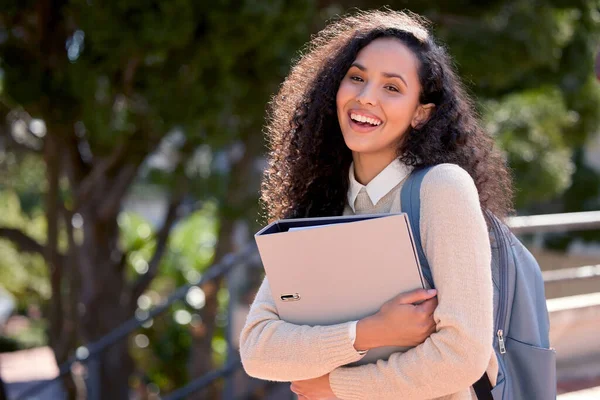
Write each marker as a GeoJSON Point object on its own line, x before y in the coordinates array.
{"type": "Point", "coordinates": [406, 320]}
{"type": "Point", "coordinates": [313, 389]}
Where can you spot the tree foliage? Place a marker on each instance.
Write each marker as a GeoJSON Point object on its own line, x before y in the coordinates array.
{"type": "Point", "coordinates": [112, 93]}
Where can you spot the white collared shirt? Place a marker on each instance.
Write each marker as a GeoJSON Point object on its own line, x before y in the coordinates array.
{"type": "Point", "coordinates": [379, 186]}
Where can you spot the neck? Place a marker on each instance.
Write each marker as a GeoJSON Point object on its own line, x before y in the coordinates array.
{"type": "Point", "coordinates": [368, 166]}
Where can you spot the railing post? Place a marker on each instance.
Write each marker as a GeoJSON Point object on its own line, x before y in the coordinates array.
{"type": "Point", "coordinates": [93, 379]}
{"type": "Point", "coordinates": [234, 280]}
{"type": "Point", "coordinates": [229, 387]}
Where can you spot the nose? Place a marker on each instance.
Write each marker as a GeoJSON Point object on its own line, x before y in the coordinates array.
{"type": "Point", "coordinates": [367, 96]}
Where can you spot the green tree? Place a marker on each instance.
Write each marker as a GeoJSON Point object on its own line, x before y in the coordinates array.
{"type": "Point", "coordinates": [97, 91]}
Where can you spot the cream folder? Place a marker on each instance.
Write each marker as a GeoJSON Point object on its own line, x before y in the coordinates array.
{"type": "Point", "coordinates": [344, 270]}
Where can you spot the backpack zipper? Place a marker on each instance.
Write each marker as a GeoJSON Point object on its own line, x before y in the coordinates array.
{"type": "Point", "coordinates": [501, 341]}
{"type": "Point", "coordinates": [501, 317]}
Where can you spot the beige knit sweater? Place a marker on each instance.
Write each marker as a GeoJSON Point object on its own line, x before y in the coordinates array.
{"type": "Point", "coordinates": [455, 241]}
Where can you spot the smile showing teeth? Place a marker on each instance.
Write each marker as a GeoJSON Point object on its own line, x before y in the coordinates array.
{"type": "Point", "coordinates": [362, 118]}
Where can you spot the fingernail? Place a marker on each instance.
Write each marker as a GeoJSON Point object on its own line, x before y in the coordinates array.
{"type": "Point", "coordinates": [431, 291]}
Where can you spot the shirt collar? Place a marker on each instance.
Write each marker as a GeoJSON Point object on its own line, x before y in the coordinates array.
{"type": "Point", "coordinates": [379, 186]}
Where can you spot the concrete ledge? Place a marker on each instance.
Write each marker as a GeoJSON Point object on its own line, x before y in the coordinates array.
{"type": "Point", "coordinates": [574, 324]}
{"type": "Point", "coordinates": [570, 303]}
{"type": "Point", "coordinates": [571, 281]}
{"type": "Point", "coordinates": [554, 222]}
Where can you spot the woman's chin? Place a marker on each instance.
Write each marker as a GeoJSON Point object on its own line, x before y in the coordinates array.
{"type": "Point", "coordinates": [371, 150]}
{"type": "Point", "coordinates": [362, 146]}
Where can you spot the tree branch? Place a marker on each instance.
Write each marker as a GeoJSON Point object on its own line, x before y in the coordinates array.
{"type": "Point", "coordinates": [111, 205]}
{"type": "Point", "coordinates": [53, 259]}
{"type": "Point", "coordinates": [52, 161]}
{"type": "Point", "coordinates": [142, 283]}
{"type": "Point", "coordinates": [103, 167]}
{"type": "Point", "coordinates": [24, 242]}
{"type": "Point", "coordinates": [179, 191]}
{"type": "Point", "coordinates": [77, 167]}
{"type": "Point", "coordinates": [68, 336]}
{"type": "Point", "coordinates": [123, 163]}
{"type": "Point", "coordinates": [128, 75]}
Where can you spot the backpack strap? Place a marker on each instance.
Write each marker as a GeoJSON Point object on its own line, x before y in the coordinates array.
{"type": "Point", "coordinates": [483, 388]}
{"type": "Point", "coordinates": [410, 199]}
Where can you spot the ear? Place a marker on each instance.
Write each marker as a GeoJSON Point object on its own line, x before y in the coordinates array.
{"type": "Point", "coordinates": [422, 115]}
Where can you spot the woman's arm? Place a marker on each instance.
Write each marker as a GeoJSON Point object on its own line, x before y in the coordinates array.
{"type": "Point", "coordinates": [275, 350]}
{"type": "Point", "coordinates": [456, 244]}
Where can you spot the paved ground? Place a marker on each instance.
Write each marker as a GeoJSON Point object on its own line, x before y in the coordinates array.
{"type": "Point", "coordinates": [586, 394]}
{"type": "Point", "coordinates": [23, 369]}
{"type": "Point", "coordinates": [27, 365]}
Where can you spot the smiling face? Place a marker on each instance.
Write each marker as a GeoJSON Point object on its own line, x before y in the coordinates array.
{"type": "Point", "coordinates": [378, 100]}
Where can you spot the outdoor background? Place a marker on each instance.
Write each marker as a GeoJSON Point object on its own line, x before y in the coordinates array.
{"type": "Point", "coordinates": [131, 153]}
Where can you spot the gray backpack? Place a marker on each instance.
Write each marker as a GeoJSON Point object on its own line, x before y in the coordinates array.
{"type": "Point", "coordinates": [527, 365]}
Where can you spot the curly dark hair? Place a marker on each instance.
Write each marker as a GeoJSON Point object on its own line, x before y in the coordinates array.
{"type": "Point", "coordinates": [307, 174]}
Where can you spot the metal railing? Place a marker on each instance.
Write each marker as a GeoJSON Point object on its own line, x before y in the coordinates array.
{"type": "Point", "coordinates": [203, 381]}
{"type": "Point", "coordinates": [87, 353]}
{"type": "Point", "coordinates": [519, 225]}
{"type": "Point", "coordinates": [555, 222]}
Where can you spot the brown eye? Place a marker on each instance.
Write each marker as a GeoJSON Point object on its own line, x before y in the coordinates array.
{"type": "Point", "coordinates": [356, 78]}
{"type": "Point", "coordinates": [392, 89]}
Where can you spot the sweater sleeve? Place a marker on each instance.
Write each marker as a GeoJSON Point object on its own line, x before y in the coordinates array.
{"type": "Point", "coordinates": [456, 243]}
{"type": "Point", "coordinates": [275, 350]}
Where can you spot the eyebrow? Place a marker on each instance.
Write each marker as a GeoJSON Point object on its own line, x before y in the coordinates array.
{"type": "Point", "coordinates": [386, 74]}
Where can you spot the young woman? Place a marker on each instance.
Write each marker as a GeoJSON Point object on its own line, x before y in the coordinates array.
{"type": "Point", "coordinates": [374, 97]}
